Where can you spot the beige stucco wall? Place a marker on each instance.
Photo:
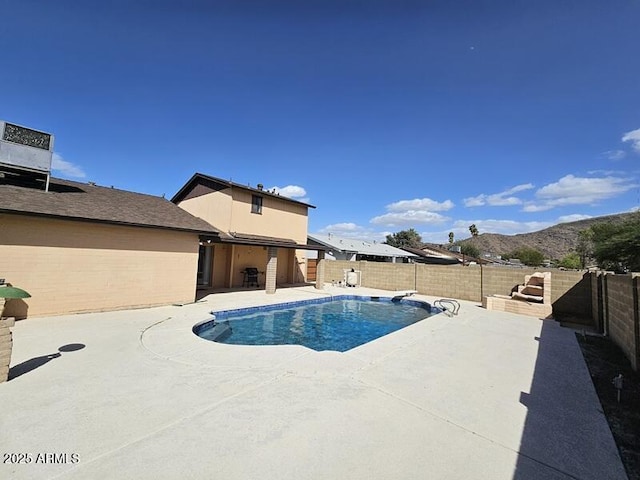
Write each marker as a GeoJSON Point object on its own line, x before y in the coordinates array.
{"type": "Point", "coordinates": [72, 266]}
{"type": "Point", "coordinates": [279, 217]}
{"type": "Point", "coordinates": [229, 210]}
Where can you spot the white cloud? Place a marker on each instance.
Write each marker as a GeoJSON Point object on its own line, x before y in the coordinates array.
{"type": "Point", "coordinates": [408, 218]}
{"type": "Point", "coordinates": [342, 227]}
{"type": "Point", "coordinates": [572, 190]}
{"type": "Point", "coordinates": [501, 199]}
{"type": "Point", "coordinates": [420, 204]}
{"type": "Point", "coordinates": [634, 137]}
{"type": "Point", "coordinates": [504, 227]}
{"type": "Point", "coordinates": [615, 154]}
{"type": "Point", "coordinates": [408, 213]}
{"type": "Point", "coordinates": [67, 169]}
{"type": "Point", "coordinates": [532, 207]}
{"type": "Point", "coordinates": [353, 230]}
{"type": "Point", "coordinates": [292, 191]}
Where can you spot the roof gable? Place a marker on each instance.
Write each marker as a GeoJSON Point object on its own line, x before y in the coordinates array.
{"type": "Point", "coordinates": [200, 184]}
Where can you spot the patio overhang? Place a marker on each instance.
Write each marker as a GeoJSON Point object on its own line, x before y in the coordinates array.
{"type": "Point", "coordinates": [236, 238]}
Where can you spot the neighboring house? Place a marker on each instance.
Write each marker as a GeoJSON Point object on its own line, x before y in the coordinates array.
{"type": "Point", "coordinates": [342, 248]}
{"type": "Point", "coordinates": [256, 229]}
{"type": "Point", "coordinates": [80, 247]}
{"type": "Point", "coordinates": [432, 257]}
{"type": "Point", "coordinates": [453, 252]}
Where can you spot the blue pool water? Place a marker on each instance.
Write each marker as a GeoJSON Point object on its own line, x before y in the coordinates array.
{"type": "Point", "coordinates": [339, 324]}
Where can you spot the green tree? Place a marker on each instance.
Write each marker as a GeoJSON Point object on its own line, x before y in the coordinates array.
{"type": "Point", "coordinates": [584, 247]}
{"type": "Point", "coordinates": [469, 250]}
{"type": "Point", "coordinates": [529, 256]}
{"type": "Point", "coordinates": [451, 237]}
{"type": "Point", "coordinates": [571, 260]}
{"type": "Point", "coordinates": [404, 238]}
{"type": "Point", "coordinates": [474, 230]}
{"type": "Point", "coordinates": [617, 246]}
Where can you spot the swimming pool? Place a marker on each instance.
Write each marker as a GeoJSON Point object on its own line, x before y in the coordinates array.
{"type": "Point", "coordinates": [331, 323]}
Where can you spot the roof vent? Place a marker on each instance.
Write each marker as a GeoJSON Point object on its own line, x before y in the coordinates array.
{"type": "Point", "coordinates": [25, 152]}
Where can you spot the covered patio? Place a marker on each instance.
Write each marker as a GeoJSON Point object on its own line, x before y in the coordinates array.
{"type": "Point", "coordinates": [242, 261]}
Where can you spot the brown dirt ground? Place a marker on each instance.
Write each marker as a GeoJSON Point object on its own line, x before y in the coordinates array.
{"type": "Point", "coordinates": [605, 360]}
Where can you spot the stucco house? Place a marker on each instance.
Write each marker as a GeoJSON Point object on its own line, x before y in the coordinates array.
{"type": "Point", "coordinates": [255, 229]}
{"type": "Point", "coordinates": [81, 247]}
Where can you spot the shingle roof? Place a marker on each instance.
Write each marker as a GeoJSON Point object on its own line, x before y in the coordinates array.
{"type": "Point", "coordinates": [85, 202]}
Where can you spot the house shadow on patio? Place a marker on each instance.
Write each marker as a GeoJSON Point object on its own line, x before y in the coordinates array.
{"type": "Point", "coordinates": [37, 362]}
{"type": "Point", "coordinates": [565, 434]}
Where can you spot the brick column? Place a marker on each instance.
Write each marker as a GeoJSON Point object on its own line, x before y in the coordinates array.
{"type": "Point", "coordinates": [320, 270]}
{"type": "Point", "coordinates": [272, 270]}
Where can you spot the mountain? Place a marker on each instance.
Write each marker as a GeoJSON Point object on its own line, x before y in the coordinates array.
{"type": "Point", "coordinates": [554, 242]}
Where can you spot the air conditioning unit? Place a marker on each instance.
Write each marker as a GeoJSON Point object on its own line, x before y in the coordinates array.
{"type": "Point", "coordinates": [24, 150]}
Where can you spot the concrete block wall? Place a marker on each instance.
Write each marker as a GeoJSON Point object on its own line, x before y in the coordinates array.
{"type": "Point", "coordinates": [386, 276]}
{"type": "Point", "coordinates": [597, 306]}
{"type": "Point", "coordinates": [449, 281]}
{"type": "Point", "coordinates": [622, 314]}
{"type": "Point", "coordinates": [570, 291]}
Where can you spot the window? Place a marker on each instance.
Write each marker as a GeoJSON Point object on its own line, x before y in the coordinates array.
{"type": "Point", "coordinates": [256, 204]}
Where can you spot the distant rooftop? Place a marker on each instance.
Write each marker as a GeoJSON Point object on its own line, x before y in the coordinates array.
{"type": "Point", "coordinates": [362, 247]}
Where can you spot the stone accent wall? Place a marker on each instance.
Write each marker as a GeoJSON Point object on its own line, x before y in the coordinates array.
{"type": "Point", "coordinates": [6, 344]}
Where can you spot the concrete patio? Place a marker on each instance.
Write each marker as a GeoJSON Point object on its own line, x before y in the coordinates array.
{"type": "Point", "coordinates": [135, 394]}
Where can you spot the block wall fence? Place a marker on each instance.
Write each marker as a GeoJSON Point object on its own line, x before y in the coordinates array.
{"type": "Point", "coordinates": [603, 300]}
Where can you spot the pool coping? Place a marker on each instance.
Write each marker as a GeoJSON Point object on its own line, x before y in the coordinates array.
{"type": "Point", "coordinates": [222, 315]}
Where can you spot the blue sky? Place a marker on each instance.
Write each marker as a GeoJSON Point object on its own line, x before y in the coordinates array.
{"type": "Point", "coordinates": [385, 115]}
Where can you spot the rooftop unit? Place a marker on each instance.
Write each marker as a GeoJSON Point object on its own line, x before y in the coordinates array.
{"type": "Point", "coordinates": [25, 155]}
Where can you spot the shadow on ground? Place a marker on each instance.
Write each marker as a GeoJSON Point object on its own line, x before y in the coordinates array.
{"type": "Point", "coordinates": [565, 433]}
{"type": "Point", "coordinates": [606, 361]}
{"type": "Point", "coordinates": [37, 362]}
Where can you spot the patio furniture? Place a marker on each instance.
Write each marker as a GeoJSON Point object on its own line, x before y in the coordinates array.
{"type": "Point", "coordinates": [250, 277]}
